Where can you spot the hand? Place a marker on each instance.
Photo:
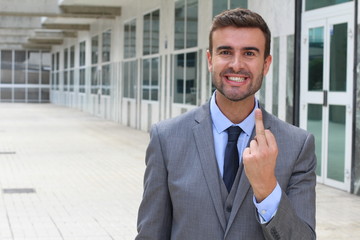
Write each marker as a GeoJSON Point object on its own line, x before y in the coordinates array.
{"type": "Point", "coordinates": [260, 160]}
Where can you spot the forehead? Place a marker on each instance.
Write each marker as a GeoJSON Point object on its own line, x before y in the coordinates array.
{"type": "Point", "coordinates": [238, 38]}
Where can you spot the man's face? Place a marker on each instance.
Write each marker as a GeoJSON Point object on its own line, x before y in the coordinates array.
{"type": "Point", "coordinates": [237, 61]}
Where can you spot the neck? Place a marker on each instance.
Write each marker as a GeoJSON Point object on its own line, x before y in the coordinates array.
{"type": "Point", "coordinates": [235, 111]}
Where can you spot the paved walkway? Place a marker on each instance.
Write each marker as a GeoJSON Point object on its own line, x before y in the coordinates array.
{"type": "Point", "coordinates": [67, 175]}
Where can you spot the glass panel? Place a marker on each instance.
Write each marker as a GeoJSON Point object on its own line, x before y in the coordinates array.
{"type": "Point", "coordinates": [19, 94]}
{"type": "Point", "coordinates": [262, 95]}
{"type": "Point", "coordinates": [146, 34]}
{"type": "Point", "coordinates": [126, 80]}
{"type": "Point", "coordinates": [154, 79]}
{"type": "Point", "coordinates": [238, 3]}
{"type": "Point", "coordinates": [6, 66]}
{"type": "Point", "coordinates": [106, 46]}
{"type": "Point", "coordinates": [338, 57]}
{"type": "Point", "coordinates": [66, 56]}
{"type": "Point", "coordinates": [146, 79]}
{"type": "Point", "coordinates": [71, 84]}
{"type": "Point", "coordinates": [45, 95]}
{"type": "Point", "coordinates": [20, 69]}
{"type": "Point", "coordinates": [179, 24]}
{"type": "Point", "coordinates": [82, 54]}
{"type": "Point", "coordinates": [314, 4]}
{"type": "Point", "coordinates": [45, 68]}
{"type": "Point", "coordinates": [94, 49]}
{"type": "Point", "coordinates": [57, 61]}
{"type": "Point", "coordinates": [6, 94]}
{"type": "Point", "coordinates": [82, 80]}
{"type": "Point", "coordinates": [94, 80]}
{"type": "Point", "coordinates": [276, 68]}
{"type": "Point", "coordinates": [130, 39]}
{"type": "Point", "coordinates": [290, 79]}
{"type": "Point", "coordinates": [72, 56]}
{"type": "Point", "coordinates": [316, 58]}
{"type": "Point", "coordinates": [33, 94]}
{"type": "Point", "coordinates": [190, 84]}
{"type": "Point", "coordinates": [219, 6]}
{"type": "Point", "coordinates": [106, 80]}
{"type": "Point", "coordinates": [314, 125]}
{"type": "Point", "coordinates": [155, 32]}
{"type": "Point", "coordinates": [191, 23]}
{"type": "Point", "coordinates": [133, 78]}
{"type": "Point", "coordinates": [66, 81]}
{"type": "Point", "coordinates": [336, 144]}
{"type": "Point", "coordinates": [179, 78]}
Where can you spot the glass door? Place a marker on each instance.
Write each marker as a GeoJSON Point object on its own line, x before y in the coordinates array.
{"type": "Point", "coordinates": [326, 92]}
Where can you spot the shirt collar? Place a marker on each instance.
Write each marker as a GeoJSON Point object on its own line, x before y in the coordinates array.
{"type": "Point", "coordinates": [221, 122]}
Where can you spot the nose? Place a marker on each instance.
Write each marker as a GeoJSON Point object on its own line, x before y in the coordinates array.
{"type": "Point", "coordinates": [237, 62]}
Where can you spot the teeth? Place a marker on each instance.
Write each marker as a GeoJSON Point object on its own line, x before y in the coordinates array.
{"type": "Point", "coordinates": [236, 79]}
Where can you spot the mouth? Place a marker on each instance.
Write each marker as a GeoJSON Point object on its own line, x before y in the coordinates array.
{"type": "Point", "coordinates": [236, 79]}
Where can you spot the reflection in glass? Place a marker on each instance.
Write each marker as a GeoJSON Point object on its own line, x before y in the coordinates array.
{"type": "Point", "coordinates": [338, 57]}
{"type": "Point", "coordinates": [19, 94]}
{"type": "Point", "coordinates": [336, 144]}
{"type": "Point", "coordinates": [180, 24]}
{"type": "Point", "coordinates": [106, 46]}
{"type": "Point", "coordinates": [314, 4]}
{"type": "Point", "coordinates": [34, 58]}
{"type": "Point", "coordinates": [82, 80]}
{"type": "Point", "coordinates": [316, 59]}
{"type": "Point", "coordinates": [106, 79]}
{"type": "Point", "coordinates": [154, 79]}
{"type": "Point", "coordinates": [72, 56]}
{"type": "Point", "coordinates": [314, 125]}
{"type": "Point", "coordinates": [147, 34]}
{"type": "Point", "coordinates": [6, 66]}
{"type": "Point", "coordinates": [82, 54]}
{"type": "Point", "coordinates": [20, 71]}
{"type": "Point", "coordinates": [94, 80]}
{"type": "Point", "coordinates": [190, 83]}
{"type": "Point", "coordinates": [191, 23]}
{"type": "Point", "coordinates": [146, 79]}
{"type": "Point", "coordinates": [33, 94]}
{"type": "Point", "coordinates": [94, 49]}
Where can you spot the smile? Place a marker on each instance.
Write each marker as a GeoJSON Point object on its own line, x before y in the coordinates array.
{"type": "Point", "coordinates": [236, 79]}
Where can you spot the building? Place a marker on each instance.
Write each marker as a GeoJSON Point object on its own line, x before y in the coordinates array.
{"type": "Point", "coordinates": [137, 62]}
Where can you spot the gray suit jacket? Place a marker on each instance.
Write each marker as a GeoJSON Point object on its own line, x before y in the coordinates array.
{"type": "Point", "coordinates": [182, 196]}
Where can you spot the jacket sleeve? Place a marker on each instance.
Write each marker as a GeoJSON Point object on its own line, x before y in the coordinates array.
{"type": "Point", "coordinates": [155, 211]}
{"type": "Point", "coordinates": [295, 216]}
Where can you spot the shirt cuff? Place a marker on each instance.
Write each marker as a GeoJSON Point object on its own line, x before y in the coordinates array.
{"type": "Point", "coordinates": [268, 207]}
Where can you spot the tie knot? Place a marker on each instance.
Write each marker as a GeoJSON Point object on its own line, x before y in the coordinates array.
{"type": "Point", "coordinates": [233, 133]}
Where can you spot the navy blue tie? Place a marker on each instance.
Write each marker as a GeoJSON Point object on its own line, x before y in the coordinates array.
{"type": "Point", "coordinates": [231, 160]}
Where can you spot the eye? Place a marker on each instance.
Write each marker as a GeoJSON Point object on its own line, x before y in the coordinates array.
{"type": "Point", "coordinates": [225, 52]}
{"type": "Point", "coordinates": [249, 54]}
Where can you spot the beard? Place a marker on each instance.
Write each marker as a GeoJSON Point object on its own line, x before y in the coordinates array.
{"type": "Point", "coordinates": [236, 94]}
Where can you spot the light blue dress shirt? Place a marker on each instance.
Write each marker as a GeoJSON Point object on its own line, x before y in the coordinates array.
{"type": "Point", "coordinates": [268, 207]}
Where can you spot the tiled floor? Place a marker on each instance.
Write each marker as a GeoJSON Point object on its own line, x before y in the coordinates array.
{"type": "Point", "coordinates": [67, 175]}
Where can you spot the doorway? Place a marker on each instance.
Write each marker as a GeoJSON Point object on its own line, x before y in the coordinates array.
{"type": "Point", "coordinates": [327, 90]}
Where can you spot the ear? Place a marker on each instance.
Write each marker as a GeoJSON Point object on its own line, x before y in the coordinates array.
{"type": "Point", "coordinates": [267, 64]}
{"type": "Point", "coordinates": [209, 58]}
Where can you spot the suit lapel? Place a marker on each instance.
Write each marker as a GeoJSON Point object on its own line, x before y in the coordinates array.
{"type": "Point", "coordinates": [244, 184]}
{"type": "Point", "coordinates": [205, 146]}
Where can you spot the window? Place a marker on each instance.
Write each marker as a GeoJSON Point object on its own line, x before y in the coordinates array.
{"type": "Point", "coordinates": [130, 39]}
{"type": "Point", "coordinates": [72, 65]}
{"type": "Point", "coordinates": [20, 68]}
{"type": "Point", "coordinates": [222, 5]}
{"type": "Point", "coordinates": [311, 4]}
{"type": "Point", "coordinates": [185, 78]}
{"type": "Point", "coordinates": [150, 63]}
{"type": "Point", "coordinates": [66, 71]}
{"type": "Point", "coordinates": [82, 52]}
{"type": "Point", "coordinates": [94, 49]}
{"type": "Point", "coordinates": [151, 33]}
{"type": "Point", "coordinates": [186, 23]}
{"type": "Point", "coordinates": [130, 76]}
{"type": "Point", "coordinates": [106, 46]}
{"type": "Point", "coordinates": [150, 87]}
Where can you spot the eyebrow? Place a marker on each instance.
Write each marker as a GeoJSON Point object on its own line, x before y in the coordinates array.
{"type": "Point", "coordinates": [231, 48]}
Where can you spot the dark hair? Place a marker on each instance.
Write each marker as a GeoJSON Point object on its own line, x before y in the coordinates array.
{"type": "Point", "coordinates": [241, 18]}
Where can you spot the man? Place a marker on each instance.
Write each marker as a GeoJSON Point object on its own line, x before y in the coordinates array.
{"type": "Point", "coordinates": [192, 188]}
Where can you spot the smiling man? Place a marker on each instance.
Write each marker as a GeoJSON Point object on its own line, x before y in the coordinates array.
{"type": "Point", "coordinates": [228, 169]}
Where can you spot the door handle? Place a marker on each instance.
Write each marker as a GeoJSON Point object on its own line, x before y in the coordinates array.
{"type": "Point", "coordinates": [325, 98]}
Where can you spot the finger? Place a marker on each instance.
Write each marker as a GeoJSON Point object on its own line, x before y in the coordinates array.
{"type": "Point", "coordinates": [259, 127]}
{"type": "Point", "coordinates": [270, 138]}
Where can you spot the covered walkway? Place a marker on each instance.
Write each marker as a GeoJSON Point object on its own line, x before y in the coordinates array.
{"type": "Point", "coordinates": [66, 174]}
